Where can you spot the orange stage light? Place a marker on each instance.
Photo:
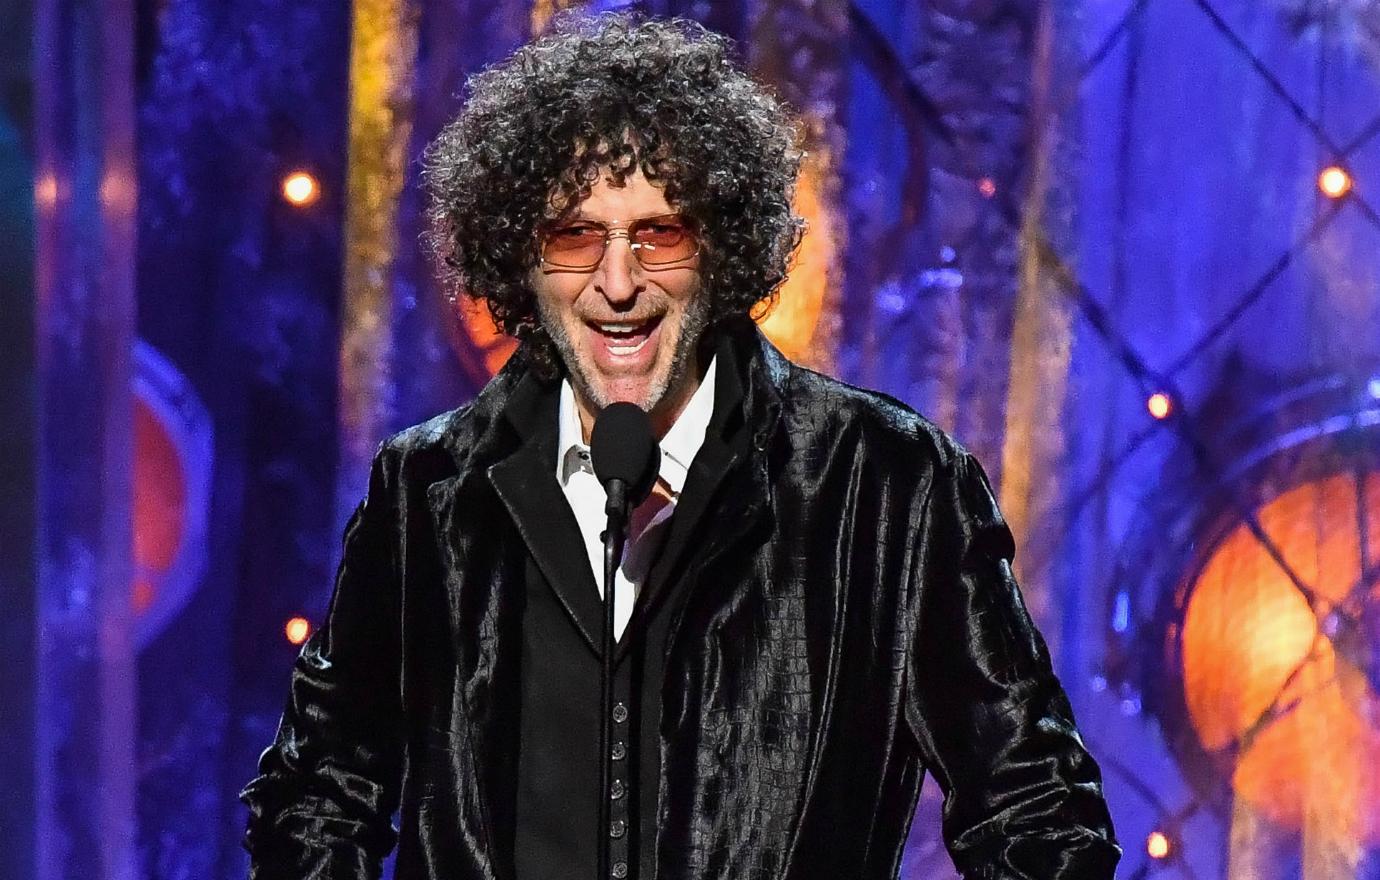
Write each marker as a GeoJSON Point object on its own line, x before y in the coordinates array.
{"type": "Point", "coordinates": [297, 629]}
{"type": "Point", "coordinates": [1160, 405]}
{"type": "Point", "coordinates": [1282, 703]}
{"type": "Point", "coordinates": [301, 189]}
{"type": "Point", "coordinates": [1335, 182]}
{"type": "Point", "coordinates": [1157, 845]}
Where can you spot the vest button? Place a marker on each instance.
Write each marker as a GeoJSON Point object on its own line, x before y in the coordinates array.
{"type": "Point", "coordinates": [616, 790]}
{"type": "Point", "coordinates": [620, 713]}
{"type": "Point", "coordinates": [620, 870]}
{"type": "Point", "coordinates": [617, 828]}
{"type": "Point", "coordinates": [619, 751]}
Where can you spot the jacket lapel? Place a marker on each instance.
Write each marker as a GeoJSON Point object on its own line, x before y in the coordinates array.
{"type": "Point", "coordinates": [727, 491]}
{"type": "Point", "coordinates": [515, 456]}
{"type": "Point", "coordinates": [526, 482]}
{"type": "Point", "coordinates": [728, 484]}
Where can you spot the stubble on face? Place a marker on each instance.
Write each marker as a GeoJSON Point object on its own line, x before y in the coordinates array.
{"type": "Point", "coordinates": [670, 388]}
{"type": "Point", "coordinates": [626, 332]}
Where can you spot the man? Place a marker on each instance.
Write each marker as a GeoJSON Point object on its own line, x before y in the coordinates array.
{"type": "Point", "coordinates": [816, 606]}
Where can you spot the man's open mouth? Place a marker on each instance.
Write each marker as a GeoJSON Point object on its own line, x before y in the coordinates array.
{"type": "Point", "coordinates": [626, 338]}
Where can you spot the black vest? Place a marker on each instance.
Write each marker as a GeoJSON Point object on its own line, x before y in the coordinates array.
{"type": "Point", "coordinates": [558, 771]}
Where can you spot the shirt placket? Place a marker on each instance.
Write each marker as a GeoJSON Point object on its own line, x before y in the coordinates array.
{"type": "Point", "coordinates": [619, 795]}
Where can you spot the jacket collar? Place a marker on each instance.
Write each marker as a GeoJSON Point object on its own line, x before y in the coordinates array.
{"type": "Point", "coordinates": [512, 404]}
{"type": "Point", "coordinates": [506, 439]}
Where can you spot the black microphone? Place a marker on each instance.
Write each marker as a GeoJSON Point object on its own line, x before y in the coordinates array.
{"type": "Point", "coordinates": [625, 455]}
{"type": "Point", "coordinates": [626, 460]}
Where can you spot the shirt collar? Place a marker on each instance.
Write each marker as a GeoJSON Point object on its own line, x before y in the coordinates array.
{"type": "Point", "coordinates": [678, 447]}
{"type": "Point", "coordinates": [571, 451]}
{"type": "Point", "coordinates": [686, 436]}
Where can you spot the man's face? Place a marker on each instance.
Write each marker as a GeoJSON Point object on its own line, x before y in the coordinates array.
{"type": "Point", "coordinates": [626, 332]}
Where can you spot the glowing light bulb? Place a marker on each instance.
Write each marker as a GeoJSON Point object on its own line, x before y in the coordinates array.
{"type": "Point", "coordinates": [1157, 845]}
{"type": "Point", "coordinates": [1160, 405]}
{"type": "Point", "coordinates": [46, 190]}
{"type": "Point", "coordinates": [297, 629]}
{"type": "Point", "coordinates": [988, 187]}
{"type": "Point", "coordinates": [301, 189]}
{"type": "Point", "coordinates": [1335, 182]}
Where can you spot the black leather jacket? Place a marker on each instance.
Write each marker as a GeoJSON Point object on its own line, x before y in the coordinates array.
{"type": "Point", "coordinates": [850, 623]}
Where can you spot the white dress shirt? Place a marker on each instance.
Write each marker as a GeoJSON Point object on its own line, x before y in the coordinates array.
{"type": "Point", "coordinates": [586, 497]}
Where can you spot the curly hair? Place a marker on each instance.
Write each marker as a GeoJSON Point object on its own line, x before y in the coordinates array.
{"type": "Point", "coordinates": [610, 94]}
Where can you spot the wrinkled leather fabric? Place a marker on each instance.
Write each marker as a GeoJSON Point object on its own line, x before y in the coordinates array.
{"type": "Point", "coordinates": [850, 621]}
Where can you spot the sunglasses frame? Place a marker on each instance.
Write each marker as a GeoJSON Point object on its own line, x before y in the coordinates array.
{"type": "Point", "coordinates": [621, 229]}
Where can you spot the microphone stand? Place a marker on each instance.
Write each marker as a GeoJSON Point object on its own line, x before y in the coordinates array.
{"type": "Point", "coordinates": [626, 459]}
{"type": "Point", "coordinates": [614, 538]}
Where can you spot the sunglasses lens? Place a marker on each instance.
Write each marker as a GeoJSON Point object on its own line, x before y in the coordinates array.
{"type": "Point", "coordinates": [577, 247]}
{"type": "Point", "coordinates": [663, 241]}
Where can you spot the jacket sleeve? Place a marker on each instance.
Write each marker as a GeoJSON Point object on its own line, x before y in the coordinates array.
{"type": "Point", "coordinates": [323, 802]}
{"type": "Point", "coordinates": [1023, 798]}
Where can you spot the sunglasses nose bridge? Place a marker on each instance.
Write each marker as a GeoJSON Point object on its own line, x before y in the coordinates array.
{"type": "Point", "coordinates": [618, 275]}
{"type": "Point", "coordinates": [622, 232]}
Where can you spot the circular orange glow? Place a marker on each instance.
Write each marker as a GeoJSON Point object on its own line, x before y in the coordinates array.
{"type": "Point", "coordinates": [297, 629]}
{"type": "Point", "coordinates": [1285, 704]}
{"type": "Point", "coordinates": [1335, 182]}
{"type": "Point", "coordinates": [988, 187]}
{"type": "Point", "coordinates": [1157, 845]}
{"type": "Point", "coordinates": [160, 496]}
{"type": "Point", "coordinates": [1160, 405]}
{"type": "Point", "coordinates": [300, 188]}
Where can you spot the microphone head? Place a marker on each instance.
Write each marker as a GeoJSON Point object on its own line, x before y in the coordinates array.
{"type": "Point", "coordinates": [621, 447]}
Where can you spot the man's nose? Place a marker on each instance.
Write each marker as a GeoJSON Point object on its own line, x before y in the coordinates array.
{"type": "Point", "coordinates": [620, 275]}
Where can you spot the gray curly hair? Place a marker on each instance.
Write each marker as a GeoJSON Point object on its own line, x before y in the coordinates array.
{"type": "Point", "coordinates": [610, 94]}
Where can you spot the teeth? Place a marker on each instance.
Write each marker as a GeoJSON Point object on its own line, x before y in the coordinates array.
{"type": "Point", "coordinates": [624, 350]}
{"type": "Point", "coordinates": [625, 338]}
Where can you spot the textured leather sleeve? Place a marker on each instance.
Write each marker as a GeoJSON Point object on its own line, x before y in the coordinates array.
{"type": "Point", "coordinates": [328, 785]}
{"type": "Point", "coordinates": [1023, 798]}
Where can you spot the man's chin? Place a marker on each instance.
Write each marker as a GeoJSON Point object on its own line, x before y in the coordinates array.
{"type": "Point", "coordinates": [647, 388]}
{"type": "Point", "coordinates": [645, 394]}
